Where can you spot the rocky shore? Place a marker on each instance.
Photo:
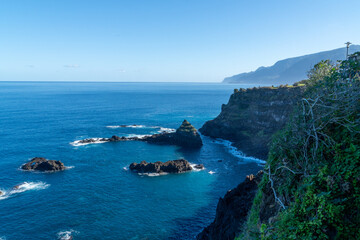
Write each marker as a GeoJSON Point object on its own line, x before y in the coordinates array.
{"type": "Point", "coordinates": [185, 136]}
{"type": "Point", "coordinates": [232, 211]}
{"type": "Point", "coordinates": [43, 164]}
{"type": "Point", "coordinates": [173, 166]}
{"type": "Point", "coordinates": [252, 116]}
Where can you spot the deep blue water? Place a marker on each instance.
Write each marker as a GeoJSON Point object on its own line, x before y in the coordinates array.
{"type": "Point", "coordinates": [98, 198]}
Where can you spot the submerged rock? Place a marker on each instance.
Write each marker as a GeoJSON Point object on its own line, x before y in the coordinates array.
{"type": "Point", "coordinates": [43, 164]}
{"type": "Point", "coordinates": [232, 210]}
{"type": "Point", "coordinates": [173, 166]}
{"type": "Point", "coordinates": [199, 166]}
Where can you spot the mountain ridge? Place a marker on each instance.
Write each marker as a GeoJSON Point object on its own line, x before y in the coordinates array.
{"type": "Point", "coordinates": [289, 70]}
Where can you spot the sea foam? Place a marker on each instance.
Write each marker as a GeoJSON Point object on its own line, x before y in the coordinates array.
{"type": "Point", "coordinates": [66, 235]}
{"type": "Point", "coordinates": [23, 187]}
{"type": "Point", "coordinates": [235, 152]}
{"type": "Point", "coordinates": [95, 141]}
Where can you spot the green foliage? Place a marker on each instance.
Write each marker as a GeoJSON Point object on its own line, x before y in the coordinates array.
{"type": "Point", "coordinates": [314, 162]}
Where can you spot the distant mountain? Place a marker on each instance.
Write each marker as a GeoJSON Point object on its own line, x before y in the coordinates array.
{"type": "Point", "coordinates": [289, 70]}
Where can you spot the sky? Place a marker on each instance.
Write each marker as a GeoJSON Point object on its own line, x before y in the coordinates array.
{"type": "Point", "coordinates": [164, 41]}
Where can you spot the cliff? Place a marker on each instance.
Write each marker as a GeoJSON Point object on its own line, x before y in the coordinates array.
{"type": "Point", "coordinates": [252, 116]}
{"type": "Point", "coordinates": [232, 210]}
{"type": "Point", "coordinates": [310, 187]}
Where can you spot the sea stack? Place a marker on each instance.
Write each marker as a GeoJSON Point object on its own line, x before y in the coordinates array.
{"type": "Point", "coordinates": [43, 164]}
{"type": "Point", "coordinates": [173, 166]}
{"type": "Point", "coordinates": [185, 136]}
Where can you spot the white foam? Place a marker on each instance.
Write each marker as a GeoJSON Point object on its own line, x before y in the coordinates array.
{"type": "Point", "coordinates": [66, 235]}
{"type": "Point", "coordinates": [195, 169]}
{"type": "Point", "coordinates": [211, 172]}
{"type": "Point", "coordinates": [166, 130]}
{"type": "Point", "coordinates": [95, 141]}
{"type": "Point", "coordinates": [23, 187]}
{"type": "Point", "coordinates": [235, 152]}
{"type": "Point", "coordinates": [161, 129]}
{"type": "Point", "coordinates": [152, 174]}
{"type": "Point", "coordinates": [128, 126]}
{"type": "Point", "coordinates": [138, 135]}
{"type": "Point", "coordinates": [125, 168]}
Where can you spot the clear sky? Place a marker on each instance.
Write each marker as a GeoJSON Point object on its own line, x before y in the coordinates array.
{"type": "Point", "coordinates": [168, 40]}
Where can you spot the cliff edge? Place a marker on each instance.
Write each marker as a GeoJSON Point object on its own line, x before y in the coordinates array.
{"type": "Point", "coordinates": [252, 116]}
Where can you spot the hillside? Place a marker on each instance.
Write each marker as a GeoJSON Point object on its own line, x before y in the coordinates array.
{"type": "Point", "coordinates": [310, 186]}
{"type": "Point", "coordinates": [289, 70]}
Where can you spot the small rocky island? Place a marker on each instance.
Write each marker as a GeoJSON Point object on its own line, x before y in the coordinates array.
{"type": "Point", "coordinates": [173, 166]}
{"type": "Point", "coordinates": [43, 164]}
{"type": "Point", "coordinates": [185, 136]}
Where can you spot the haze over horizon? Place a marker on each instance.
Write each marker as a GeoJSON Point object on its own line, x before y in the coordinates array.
{"type": "Point", "coordinates": [166, 41]}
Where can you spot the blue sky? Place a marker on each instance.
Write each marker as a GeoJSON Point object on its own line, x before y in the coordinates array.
{"type": "Point", "coordinates": [169, 40]}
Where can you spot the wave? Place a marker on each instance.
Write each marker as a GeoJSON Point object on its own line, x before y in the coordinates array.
{"type": "Point", "coordinates": [235, 152]}
{"type": "Point", "coordinates": [2, 238]}
{"type": "Point", "coordinates": [211, 172]}
{"type": "Point", "coordinates": [160, 129]}
{"type": "Point", "coordinates": [152, 174]}
{"type": "Point", "coordinates": [23, 187]}
{"type": "Point", "coordinates": [66, 235]}
{"type": "Point", "coordinates": [128, 126]}
{"type": "Point", "coordinates": [195, 169]}
{"type": "Point", "coordinates": [93, 141]}
{"type": "Point", "coordinates": [138, 135]}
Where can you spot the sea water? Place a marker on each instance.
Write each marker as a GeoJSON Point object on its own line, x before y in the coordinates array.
{"type": "Point", "coordinates": [97, 197]}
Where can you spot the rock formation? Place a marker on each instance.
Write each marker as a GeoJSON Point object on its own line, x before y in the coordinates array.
{"type": "Point", "coordinates": [252, 116]}
{"type": "Point", "coordinates": [173, 166]}
{"type": "Point", "coordinates": [232, 210]}
{"type": "Point", "coordinates": [185, 136]}
{"type": "Point", "coordinates": [42, 164]}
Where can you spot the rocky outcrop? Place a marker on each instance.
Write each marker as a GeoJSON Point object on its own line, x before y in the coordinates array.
{"type": "Point", "coordinates": [173, 166]}
{"type": "Point", "coordinates": [232, 211]}
{"type": "Point", "coordinates": [252, 116]}
{"type": "Point", "coordinates": [42, 164]}
{"type": "Point", "coordinates": [1, 193]}
{"type": "Point", "coordinates": [185, 136]}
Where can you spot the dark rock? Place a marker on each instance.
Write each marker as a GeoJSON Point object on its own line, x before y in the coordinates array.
{"type": "Point", "coordinates": [173, 166]}
{"type": "Point", "coordinates": [42, 164]}
{"type": "Point", "coordinates": [232, 211]}
{"type": "Point", "coordinates": [116, 139]}
{"type": "Point", "coordinates": [199, 166]}
{"type": "Point", "coordinates": [185, 136]}
{"type": "Point", "coordinates": [252, 116]}
{"type": "Point", "coordinates": [1, 193]}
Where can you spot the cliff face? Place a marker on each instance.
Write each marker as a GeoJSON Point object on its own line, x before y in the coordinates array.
{"type": "Point", "coordinates": [232, 210]}
{"type": "Point", "coordinates": [252, 116]}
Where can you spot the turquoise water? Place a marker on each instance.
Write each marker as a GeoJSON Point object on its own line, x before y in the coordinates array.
{"type": "Point", "coordinates": [98, 198]}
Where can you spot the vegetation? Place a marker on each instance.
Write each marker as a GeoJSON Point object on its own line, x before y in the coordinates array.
{"type": "Point", "coordinates": [313, 171]}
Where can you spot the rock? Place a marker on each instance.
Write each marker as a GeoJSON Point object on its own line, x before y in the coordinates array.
{"type": "Point", "coordinates": [199, 166]}
{"type": "Point", "coordinates": [232, 210]}
{"type": "Point", "coordinates": [252, 116]}
{"type": "Point", "coordinates": [185, 136]}
{"type": "Point", "coordinates": [116, 138]}
{"type": "Point", "coordinates": [1, 193]}
{"type": "Point", "coordinates": [42, 164]}
{"type": "Point", "coordinates": [173, 166]}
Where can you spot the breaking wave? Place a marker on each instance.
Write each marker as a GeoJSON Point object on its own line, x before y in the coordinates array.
{"type": "Point", "coordinates": [93, 141]}
{"type": "Point", "coordinates": [66, 235]}
{"type": "Point", "coordinates": [23, 187]}
{"type": "Point", "coordinates": [235, 152]}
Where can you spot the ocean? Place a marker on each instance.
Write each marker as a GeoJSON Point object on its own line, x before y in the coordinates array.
{"type": "Point", "coordinates": [98, 197]}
